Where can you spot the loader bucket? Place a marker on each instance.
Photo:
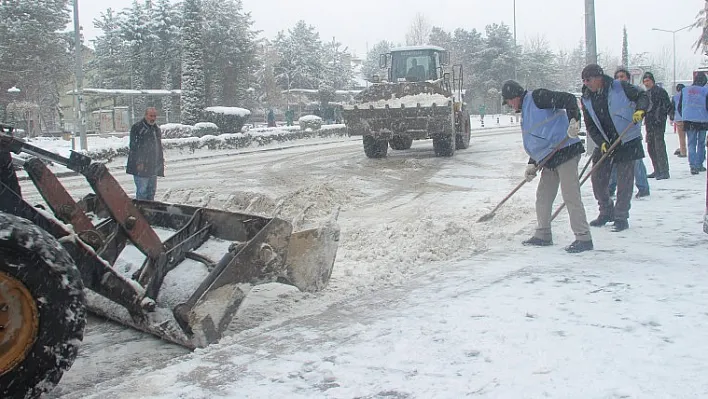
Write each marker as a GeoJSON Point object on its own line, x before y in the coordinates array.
{"type": "Point", "coordinates": [311, 255]}
{"type": "Point", "coordinates": [388, 120]}
{"type": "Point", "coordinates": [176, 271]}
{"type": "Point", "coordinates": [214, 259]}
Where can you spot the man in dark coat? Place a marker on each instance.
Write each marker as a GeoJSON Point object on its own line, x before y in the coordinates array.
{"type": "Point", "coordinates": [655, 123]}
{"type": "Point", "coordinates": [605, 126]}
{"type": "Point", "coordinates": [145, 159]}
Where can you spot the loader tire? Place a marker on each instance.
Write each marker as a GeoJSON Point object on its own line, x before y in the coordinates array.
{"type": "Point", "coordinates": [462, 138]}
{"type": "Point", "coordinates": [42, 310]}
{"type": "Point", "coordinates": [444, 146]}
{"type": "Point", "coordinates": [375, 148]}
{"type": "Point", "coordinates": [400, 143]}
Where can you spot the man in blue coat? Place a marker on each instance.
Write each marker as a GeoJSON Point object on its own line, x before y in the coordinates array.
{"type": "Point", "coordinates": [549, 125]}
{"type": "Point", "coordinates": [613, 110]}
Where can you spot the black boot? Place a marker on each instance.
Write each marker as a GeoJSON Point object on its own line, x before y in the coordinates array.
{"type": "Point", "coordinates": [662, 176]}
{"type": "Point", "coordinates": [651, 175]}
{"type": "Point", "coordinates": [579, 246]}
{"type": "Point", "coordinates": [620, 225]}
{"type": "Point", "coordinates": [601, 220]}
{"type": "Point", "coordinates": [535, 241]}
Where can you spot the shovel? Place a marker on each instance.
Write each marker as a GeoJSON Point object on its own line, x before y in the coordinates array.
{"type": "Point", "coordinates": [595, 166]}
{"type": "Point", "coordinates": [491, 214]}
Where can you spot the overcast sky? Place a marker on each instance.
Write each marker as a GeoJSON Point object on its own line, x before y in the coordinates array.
{"type": "Point", "coordinates": [358, 23]}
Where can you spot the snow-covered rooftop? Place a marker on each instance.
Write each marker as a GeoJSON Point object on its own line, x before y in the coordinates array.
{"type": "Point", "coordinates": [128, 92]}
{"type": "Point", "coordinates": [420, 47]}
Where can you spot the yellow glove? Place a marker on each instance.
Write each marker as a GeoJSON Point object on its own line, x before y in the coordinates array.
{"type": "Point", "coordinates": [604, 147]}
{"type": "Point", "coordinates": [638, 116]}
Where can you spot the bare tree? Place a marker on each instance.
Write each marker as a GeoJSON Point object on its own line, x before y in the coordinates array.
{"type": "Point", "coordinates": [419, 31]}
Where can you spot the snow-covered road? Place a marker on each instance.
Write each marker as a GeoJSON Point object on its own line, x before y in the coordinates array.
{"type": "Point", "coordinates": [425, 302]}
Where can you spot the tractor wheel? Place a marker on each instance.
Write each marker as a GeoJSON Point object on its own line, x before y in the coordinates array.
{"type": "Point", "coordinates": [462, 138]}
{"type": "Point", "coordinates": [42, 313]}
{"type": "Point", "coordinates": [401, 143]}
{"type": "Point", "coordinates": [444, 146]}
{"type": "Point", "coordinates": [375, 148]}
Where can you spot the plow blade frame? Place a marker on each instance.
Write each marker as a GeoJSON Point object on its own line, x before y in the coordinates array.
{"type": "Point", "coordinates": [259, 251]}
{"type": "Point", "coordinates": [419, 122]}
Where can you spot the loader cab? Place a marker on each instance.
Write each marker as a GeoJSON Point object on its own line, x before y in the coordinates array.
{"type": "Point", "coordinates": [415, 64]}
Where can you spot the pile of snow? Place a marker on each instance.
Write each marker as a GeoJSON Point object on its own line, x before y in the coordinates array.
{"type": "Point", "coordinates": [307, 118]}
{"type": "Point", "coordinates": [312, 122]}
{"type": "Point", "coordinates": [423, 100]}
{"type": "Point", "coordinates": [242, 112]}
{"type": "Point", "coordinates": [176, 130]}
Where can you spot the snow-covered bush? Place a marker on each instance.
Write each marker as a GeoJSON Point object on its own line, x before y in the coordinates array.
{"type": "Point", "coordinates": [202, 129]}
{"type": "Point", "coordinates": [312, 122]}
{"type": "Point", "coordinates": [176, 131]}
{"type": "Point", "coordinates": [228, 119]}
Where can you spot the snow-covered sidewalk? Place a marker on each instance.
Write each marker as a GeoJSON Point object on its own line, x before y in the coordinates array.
{"type": "Point", "coordinates": [627, 320]}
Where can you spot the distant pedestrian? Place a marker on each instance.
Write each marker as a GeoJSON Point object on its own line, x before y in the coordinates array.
{"type": "Point", "coordinates": [693, 108]}
{"type": "Point", "coordinates": [655, 123]}
{"type": "Point", "coordinates": [547, 119]}
{"type": "Point", "coordinates": [289, 117]}
{"type": "Point", "coordinates": [145, 156]}
{"type": "Point", "coordinates": [678, 122]}
{"type": "Point", "coordinates": [271, 118]}
{"type": "Point", "coordinates": [612, 110]}
{"type": "Point", "coordinates": [640, 171]}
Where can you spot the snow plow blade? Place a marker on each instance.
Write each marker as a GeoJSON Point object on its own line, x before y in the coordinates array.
{"type": "Point", "coordinates": [389, 120]}
{"type": "Point", "coordinates": [256, 250]}
{"type": "Point", "coordinates": [176, 271]}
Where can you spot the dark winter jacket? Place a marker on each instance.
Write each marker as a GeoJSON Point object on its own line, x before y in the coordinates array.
{"type": "Point", "coordinates": [145, 158]}
{"type": "Point", "coordinates": [547, 99]}
{"type": "Point", "coordinates": [629, 151]}
{"type": "Point", "coordinates": [659, 107]}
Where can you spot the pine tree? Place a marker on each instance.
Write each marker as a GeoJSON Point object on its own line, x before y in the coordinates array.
{"type": "Point", "coordinates": [300, 53]}
{"type": "Point", "coordinates": [34, 53]}
{"type": "Point", "coordinates": [193, 92]}
{"type": "Point", "coordinates": [166, 28]}
{"type": "Point", "coordinates": [625, 48]}
{"type": "Point", "coordinates": [337, 66]}
{"type": "Point", "coordinates": [134, 32]}
{"type": "Point", "coordinates": [371, 64]}
{"type": "Point", "coordinates": [230, 52]}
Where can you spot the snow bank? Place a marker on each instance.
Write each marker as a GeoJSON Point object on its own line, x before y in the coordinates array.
{"type": "Point", "coordinates": [307, 118]}
{"type": "Point", "coordinates": [241, 112]}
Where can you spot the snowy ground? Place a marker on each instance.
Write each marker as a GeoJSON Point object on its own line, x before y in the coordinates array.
{"type": "Point", "coordinates": [425, 302]}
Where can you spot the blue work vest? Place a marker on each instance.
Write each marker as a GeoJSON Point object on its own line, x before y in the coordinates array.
{"type": "Point", "coordinates": [677, 115]}
{"type": "Point", "coordinates": [543, 129]}
{"type": "Point", "coordinates": [694, 104]}
{"type": "Point", "coordinates": [621, 111]}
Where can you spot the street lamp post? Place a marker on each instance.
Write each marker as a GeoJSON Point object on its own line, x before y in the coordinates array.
{"type": "Point", "coordinates": [673, 34]}
{"type": "Point", "coordinates": [287, 77]}
{"type": "Point", "coordinates": [515, 67]}
{"type": "Point", "coordinates": [79, 75]}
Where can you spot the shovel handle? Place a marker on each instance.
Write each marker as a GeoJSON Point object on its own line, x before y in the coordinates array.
{"type": "Point", "coordinates": [540, 166]}
{"type": "Point", "coordinates": [595, 166]}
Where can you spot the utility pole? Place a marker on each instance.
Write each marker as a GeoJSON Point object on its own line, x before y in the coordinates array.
{"type": "Point", "coordinates": [515, 66]}
{"type": "Point", "coordinates": [590, 36]}
{"type": "Point", "coordinates": [79, 77]}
